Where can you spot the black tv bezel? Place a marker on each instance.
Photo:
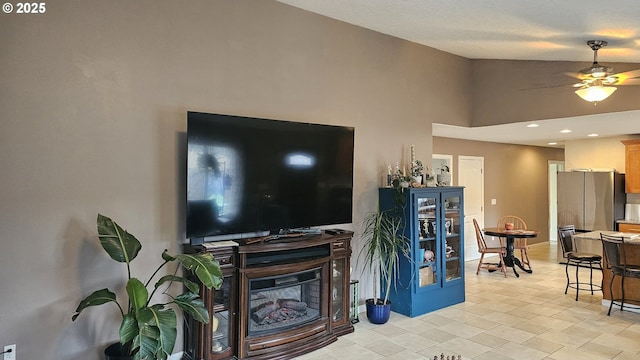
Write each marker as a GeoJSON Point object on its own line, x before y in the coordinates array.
{"type": "Point", "coordinates": [198, 239]}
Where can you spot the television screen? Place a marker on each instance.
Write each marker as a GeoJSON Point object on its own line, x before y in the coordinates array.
{"type": "Point", "coordinates": [248, 175]}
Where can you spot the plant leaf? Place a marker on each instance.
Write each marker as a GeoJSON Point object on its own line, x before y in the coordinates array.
{"type": "Point", "coordinates": [98, 297]}
{"type": "Point", "coordinates": [117, 242]}
{"type": "Point", "coordinates": [192, 304]}
{"type": "Point", "coordinates": [205, 266]}
{"type": "Point", "coordinates": [193, 287]}
{"type": "Point", "coordinates": [147, 342]}
{"type": "Point", "coordinates": [128, 328]}
{"type": "Point", "coordinates": [138, 294]}
{"type": "Point", "coordinates": [157, 331]}
{"type": "Point", "coordinates": [166, 256]}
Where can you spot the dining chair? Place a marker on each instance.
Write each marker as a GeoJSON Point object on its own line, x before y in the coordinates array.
{"type": "Point", "coordinates": [520, 243]}
{"type": "Point", "coordinates": [483, 249]}
{"type": "Point", "coordinates": [578, 259]}
{"type": "Point", "coordinates": [616, 260]}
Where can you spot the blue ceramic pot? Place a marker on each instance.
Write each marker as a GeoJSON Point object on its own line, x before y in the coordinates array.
{"type": "Point", "coordinates": [378, 313]}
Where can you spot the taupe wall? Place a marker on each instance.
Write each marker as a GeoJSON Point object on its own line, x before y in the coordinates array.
{"type": "Point", "coordinates": [93, 108]}
{"type": "Point", "coordinates": [506, 91]}
{"type": "Point", "coordinates": [515, 175]}
{"type": "Point", "coordinates": [599, 153]}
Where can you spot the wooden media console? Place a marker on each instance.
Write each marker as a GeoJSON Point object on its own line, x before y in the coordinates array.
{"type": "Point", "coordinates": [281, 297]}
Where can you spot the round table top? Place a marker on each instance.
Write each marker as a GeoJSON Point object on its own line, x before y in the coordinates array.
{"type": "Point", "coordinates": [496, 231]}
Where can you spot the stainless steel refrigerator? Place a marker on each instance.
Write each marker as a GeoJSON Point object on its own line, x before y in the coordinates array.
{"type": "Point", "coordinates": [590, 201]}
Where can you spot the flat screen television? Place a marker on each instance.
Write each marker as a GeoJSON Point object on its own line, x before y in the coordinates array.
{"type": "Point", "coordinates": [250, 177]}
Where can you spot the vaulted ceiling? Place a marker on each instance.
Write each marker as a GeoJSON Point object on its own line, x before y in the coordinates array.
{"type": "Point", "coordinates": [507, 29]}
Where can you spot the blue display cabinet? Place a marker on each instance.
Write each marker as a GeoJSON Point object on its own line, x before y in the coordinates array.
{"type": "Point", "coordinates": [433, 220]}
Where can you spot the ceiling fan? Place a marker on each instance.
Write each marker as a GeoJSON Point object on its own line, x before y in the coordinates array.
{"type": "Point", "coordinates": [597, 81]}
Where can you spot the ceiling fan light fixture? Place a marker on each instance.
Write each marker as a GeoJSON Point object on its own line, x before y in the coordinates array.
{"type": "Point", "coordinates": [595, 93]}
{"type": "Point", "coordinates": [599, 72]}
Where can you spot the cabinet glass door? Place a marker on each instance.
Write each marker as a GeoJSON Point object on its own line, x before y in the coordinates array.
{"type": "Point", "coordinates": [220, 322]}
{"type": "Point", "coordinates": [337, 293]}
{"type": "Point", "coordinates": [453, 240]}
{"type": "Point", "coordinates": [426, 255]}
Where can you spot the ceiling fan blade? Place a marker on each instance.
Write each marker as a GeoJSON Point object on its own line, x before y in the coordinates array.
{"type": "Point", "coordinates": [548, 86]}
{"type": "Point", "coordinates": [625, 77]}
{"type": "Point", "coordinates": [629, 82]}
{"type": "Point", "coordinates": [577, 75]}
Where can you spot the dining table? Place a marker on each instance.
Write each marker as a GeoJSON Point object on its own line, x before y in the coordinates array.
{"type": "Point", "coordinates": [510, 260]}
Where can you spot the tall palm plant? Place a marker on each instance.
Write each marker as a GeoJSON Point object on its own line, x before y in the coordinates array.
{"type": "Point", "coordinates": [383, 245]}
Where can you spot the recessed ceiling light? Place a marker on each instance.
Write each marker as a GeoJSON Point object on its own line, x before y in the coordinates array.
{"type": "Point", "coordinates": [532, 125]}
{"type": "Point", "coordinates": [553, 143]}
{"type": "Point", "coordinates": [593, 135]}
{"type": "Point", "coordinates": [565, 131]}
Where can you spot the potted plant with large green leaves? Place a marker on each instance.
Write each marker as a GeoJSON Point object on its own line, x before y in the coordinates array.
{"type": "Point", "coordinates": [383, 246]}
{"type": "Point", "coordinates": [148, 331]}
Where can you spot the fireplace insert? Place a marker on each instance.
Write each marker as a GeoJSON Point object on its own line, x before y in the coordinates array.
{"type": "Point", "coordinates": [277, 303]}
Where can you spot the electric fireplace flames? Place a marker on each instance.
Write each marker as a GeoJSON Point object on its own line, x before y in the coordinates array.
{"type": "Point", "coordinates": [280, 302]}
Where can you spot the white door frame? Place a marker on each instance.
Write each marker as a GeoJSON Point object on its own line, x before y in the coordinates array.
{"type": "Point", "coordinates": [471, 246]}
{"type": "Point", "coordinates": [554, 166]}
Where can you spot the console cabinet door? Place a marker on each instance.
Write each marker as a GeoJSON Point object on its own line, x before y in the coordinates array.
{"type": "Point", "coordinates": [219, 332]}
{"type": "Point", "coordinates": [215, 340]}
{"type": "Point", "coordinates": [340, 291]}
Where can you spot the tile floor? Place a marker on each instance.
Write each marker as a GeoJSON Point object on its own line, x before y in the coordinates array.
{"type": "Point", "coordinates": [502, 319]}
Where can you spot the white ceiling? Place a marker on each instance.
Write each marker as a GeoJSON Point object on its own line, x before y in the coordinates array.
{"type": "Point", "coordinates": [509, 29]}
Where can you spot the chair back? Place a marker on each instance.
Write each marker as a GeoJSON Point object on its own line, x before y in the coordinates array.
{"type": "Point", "coordinates": [482, 245]}
{"type": "Point", "coordinates": [518, 223]}
{"type": "Point", "coordinates": [565, 236]}
{"type": "Point", "coordinates": [613, 248]}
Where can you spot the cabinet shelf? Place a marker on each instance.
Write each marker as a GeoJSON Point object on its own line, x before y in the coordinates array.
{"type": "Point", "coordinates": [427, 239]}
{"type": "Point", "coordinates": [434, 221]}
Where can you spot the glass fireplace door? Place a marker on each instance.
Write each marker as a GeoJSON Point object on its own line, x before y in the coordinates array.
{"type": "Point", "coordinates": [280, 302]}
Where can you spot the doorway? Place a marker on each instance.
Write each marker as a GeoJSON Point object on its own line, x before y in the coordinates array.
{"type": "Point", "coordinates": [471, 176]}
{"type": "Point", "coordinates": [554, 168]}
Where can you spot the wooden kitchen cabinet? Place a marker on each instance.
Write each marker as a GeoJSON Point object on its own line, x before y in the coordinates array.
{"type": "Point", "coordinates": [632, 165]}
{"type": "Point", "coordinates": [629, 228]}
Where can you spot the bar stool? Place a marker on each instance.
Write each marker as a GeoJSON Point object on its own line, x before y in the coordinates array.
{"type": "Point", "coordinates": [578, 259]}
{"type": "Point", "coordinates": [616, 257]}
